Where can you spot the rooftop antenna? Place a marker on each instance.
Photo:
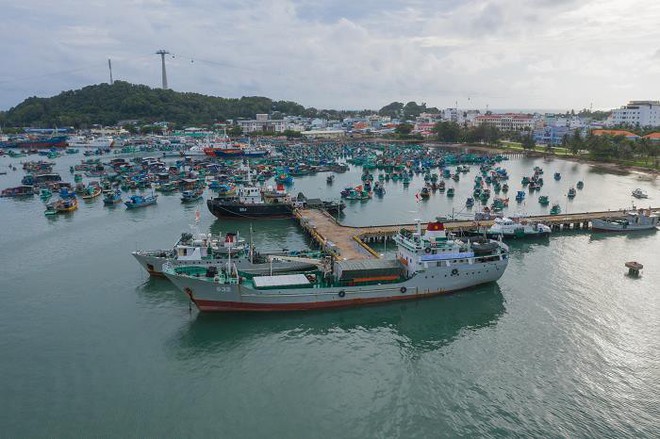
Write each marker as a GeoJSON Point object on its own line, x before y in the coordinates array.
{"type": "Point", "coordinates": [110, 67]}
{"type": "Point", "coordinates": [162, 54]}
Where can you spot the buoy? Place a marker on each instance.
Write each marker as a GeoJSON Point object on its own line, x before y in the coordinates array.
{"type": "Point", "coordinates": [633, 268]}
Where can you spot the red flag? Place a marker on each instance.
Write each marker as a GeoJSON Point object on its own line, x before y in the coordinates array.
{"type": "Point", "coordinates": [417, 197]}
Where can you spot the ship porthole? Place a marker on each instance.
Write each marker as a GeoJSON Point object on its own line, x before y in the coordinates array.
{"type": "Point", "coordinates": [342, 293]}
{"type": "Point", "coordinates": [403, 290]}
{"type": "Point", "coordinates": [454, 272]}
{"type": "Point", "coordinates": [427, 249]}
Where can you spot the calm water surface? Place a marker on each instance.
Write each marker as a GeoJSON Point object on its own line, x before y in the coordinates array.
{"type": "Point", "coordinates": [564, 345]}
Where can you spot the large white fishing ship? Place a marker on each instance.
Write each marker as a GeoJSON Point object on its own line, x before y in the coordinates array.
{"type": "Point", "coordinates": [425, 265]}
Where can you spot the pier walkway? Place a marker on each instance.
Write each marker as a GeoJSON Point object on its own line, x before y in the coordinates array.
{"type": "Point", "coordinates": [350, 242]}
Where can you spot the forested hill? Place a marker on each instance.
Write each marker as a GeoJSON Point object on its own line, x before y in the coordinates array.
{"type": "Point", "coordinates": [107, 104]}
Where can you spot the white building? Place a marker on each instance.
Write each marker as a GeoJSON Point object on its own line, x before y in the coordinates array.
{"type": "Point", "coordinates": [261, 123]}
{"type": "Point", "coordinates": [507, 121]}
{"type": "Point", "coordinates": [636, 113]}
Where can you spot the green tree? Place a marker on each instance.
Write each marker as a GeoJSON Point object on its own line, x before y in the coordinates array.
{"type": "Point", "coordinates": [528, 142]}
{"type": "Point", "coordinates": [235, 131]}
{"type": "Point", "coordinates": [449, 132]}
{"type": "Point", "coordinates": [404, 129]}
{"type": "Point", "coordinates": [292, 134]}
{"type": "Point", "coordinates": [393, 110]}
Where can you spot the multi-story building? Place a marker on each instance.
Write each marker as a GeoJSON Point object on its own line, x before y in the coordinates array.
{"type": "Point", "coordinates": [507, 121]}
{"type": "Point", "coordinates": [551, 135]}
{"type": "Point", "coordinates": [636, 113]}
{"type": "Point", "coordinates": [262, 123]}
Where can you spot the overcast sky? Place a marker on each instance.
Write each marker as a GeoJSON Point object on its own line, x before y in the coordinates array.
{"type": "Point", "coordinates": [343, 54]}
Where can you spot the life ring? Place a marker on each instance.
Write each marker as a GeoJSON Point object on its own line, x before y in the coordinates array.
{"type": "Point", "coordinates": [403, 290]}
{"type": "Point", "coordinates": [427, 250]}
{"type": "Point", "coordinates": [341, 293]}
{"type": "Point", "coordinates": [454, 272]}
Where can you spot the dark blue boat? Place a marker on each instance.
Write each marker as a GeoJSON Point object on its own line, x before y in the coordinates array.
{"type": "Point", "coordinates": [136, 201]}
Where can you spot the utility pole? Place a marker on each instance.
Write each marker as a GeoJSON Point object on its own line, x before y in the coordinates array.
{"type": "Point", "coordinates": [162, 54]}
{"type": "Point", "coordinates": [110, 67]}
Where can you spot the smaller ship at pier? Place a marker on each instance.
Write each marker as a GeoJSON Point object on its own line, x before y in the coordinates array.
{"type": "Point", "coordinates": [514, 228]}
{"type": "Point", "coordinates": [635, 220]}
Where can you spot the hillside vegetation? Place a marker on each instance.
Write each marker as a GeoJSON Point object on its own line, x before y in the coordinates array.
{"type": "Point", "coordinates": [107, 104]}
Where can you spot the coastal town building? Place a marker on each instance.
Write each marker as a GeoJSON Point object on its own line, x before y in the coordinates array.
{"type": "Point", "coordinates": [614, 133]}
{"type": "Point", "coordinates": [507, 121]}
{"type": "Point", "coordinates": [636, 113]}
{"type": "Point", "coordinates": [263, 122]}
{"type": "Point", "coordinates": [551, 135]}
{"type": "Point", "coordinates": [324, 134]}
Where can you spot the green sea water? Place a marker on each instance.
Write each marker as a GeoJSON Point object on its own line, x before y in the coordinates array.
{"type": "Point", "coordinates": [565, 344]}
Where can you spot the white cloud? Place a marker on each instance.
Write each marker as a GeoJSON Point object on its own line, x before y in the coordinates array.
{"type": "Point", "coordinates": [343, 54]}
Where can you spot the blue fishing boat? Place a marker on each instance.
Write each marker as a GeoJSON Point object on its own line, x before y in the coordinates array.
{"type": "Point", "coordinates": [520, 195]}
{"type": "Point", "coordinates": [111, 197]}
{"type": "Point", "coordinates": [136, 201]}
{"type": "Point", "coordinates": [191, 195]}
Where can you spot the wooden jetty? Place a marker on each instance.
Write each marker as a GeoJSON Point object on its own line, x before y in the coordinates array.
{"type": "Point", "coordinates": [350, 242]}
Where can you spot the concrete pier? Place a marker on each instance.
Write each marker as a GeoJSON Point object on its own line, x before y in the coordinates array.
{"type": "Point", "coordinates": [349, 242]}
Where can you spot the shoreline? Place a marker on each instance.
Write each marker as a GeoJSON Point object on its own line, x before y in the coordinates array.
{"type": "Point", "coordinates": [613, 167]}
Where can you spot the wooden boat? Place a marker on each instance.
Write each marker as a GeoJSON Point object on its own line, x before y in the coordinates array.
{"type": "Point", "coordinates": [191, 195]}
{"type": "Point", "coordinates": [639, 193]}
{"type": "Point", "coordinates": [571, 193]}
{"type": "Point", "coordinates": [18, 191]}
{"type": "Point", "coordinates": [137, 201]}
{"type": "Point", "coordinates": [92, 192]}
{"type": "Point", "coordinates": [66, 205]}
{"type": "Point", "coordinates": [111, 197]}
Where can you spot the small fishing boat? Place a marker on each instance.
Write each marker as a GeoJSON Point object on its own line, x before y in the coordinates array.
{"type": "Point", "coordinates": [642, 219]}
{"type": "Point", "coordinates": [451, 192]}
{"type": "Point", "coordinates": [91, 192]}
{"type": "Point", "coordinates": [424, 194]}
{"type": "Point", "coordinates": [469, 202]}
{"type": "Point", "coordinates": [544, 200]}
{"type": "Point", "coordinates": [111, 197]}
{"type": "Point", "coordinates": [191, 195]}
{"type": "Point", "coordinates": [358, 193]}
{"type": "Point", "coordinates": [136, 201]}
{"type": "Point", "coordinates": [571, 192]}
{"type": "Point", "coordinates": [580, 184]}
{"type": "Point", "coordinates": [514, 228]}
{"type": "Point", "coordinates": [379, 189]}
{"type": "Point", "coordinates": [330, 179]}
{"type": "Point", "coordinates": [45, 194]}
{"type": "Point", "coordinates": [555, 209]}
{"type": "Point", "coordinates": [66, 205]}
{"type": "Point", "coordinates": [639, 193]}
{"type": "Point", "coordinates": [50, 209]}
{"type": "Point", "coordinates": [520, 195]}
{"type": "Point", "coordinates": [18, 192]}
{"type": "Point", "coordinates": [557, 176]}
